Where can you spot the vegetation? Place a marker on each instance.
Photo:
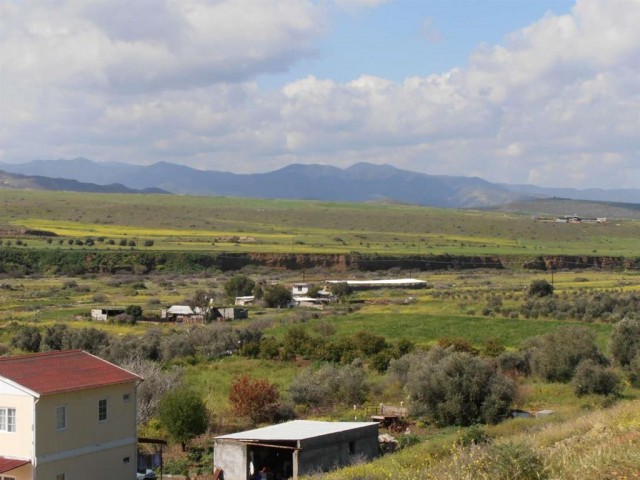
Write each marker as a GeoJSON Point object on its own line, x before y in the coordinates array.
{"type": "Point", "coordinates": [504, 337]}
{"type": "Point", "coordinates": [256, 399]}
{"type": "Point", "coordinates": [183, 414]}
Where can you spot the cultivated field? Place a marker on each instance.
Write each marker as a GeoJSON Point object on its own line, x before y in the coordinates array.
{"type": "Point", "coordinates": [213, 224]}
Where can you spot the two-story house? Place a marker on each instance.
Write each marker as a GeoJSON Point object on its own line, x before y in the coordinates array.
{"type": "Point", "coordinates": [66, 416]}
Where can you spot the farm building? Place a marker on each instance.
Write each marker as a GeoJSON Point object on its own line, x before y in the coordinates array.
{"type": "Point", "coordinates": [244, 301]}
{"type": "Point", "coordinates": [106, 313]}
{"type": "Point", "coordinates": [387, 283]}
{"type": "Point", "coordinates": [183, 313]}
{"type": "Point", "coordinates": [295, 448]}
{"type": "Point", "coordinates": [229, 313]}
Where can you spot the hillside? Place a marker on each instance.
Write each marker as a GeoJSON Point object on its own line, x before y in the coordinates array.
{"type": "Point", "coordinates": [36, 182]}
{"type": "Point", "coordinates": [565, 206]}
{"type": "Point", "coordinates": [361, 182]}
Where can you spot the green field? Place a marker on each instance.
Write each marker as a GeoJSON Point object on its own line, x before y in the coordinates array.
{"type": "Point", "coordinates": [219, 224]}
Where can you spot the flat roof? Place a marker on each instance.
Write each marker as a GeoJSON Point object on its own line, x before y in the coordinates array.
{"type": "Point", "coordinates": [390, 281]}
{"type": "Point", "coordinates": [295, 430]}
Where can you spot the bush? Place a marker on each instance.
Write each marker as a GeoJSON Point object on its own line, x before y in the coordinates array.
{"type": "Point", "coordinates": [625, 341]}
{"type": "Point", "coordinates": [555, 356]}
{"type": "Point", "coordinates": [516, 461]}
{"type": "Point", "coordinates": [591, 378]}
{"type": "Point", "coordinates": [28, 338]}
{"type": "Point", "coordinates": [256, 399]}
{"type": "Point", "coordinates": [183, 414]}
{"type": "Point", "coordinates": [239, 286]}
{"type": "Point", "coordinates": [459, 389]}
{"type": "Point", "coordinates": [277, 296]}
{"type": "Point", "coordinates": [474, 435]}
{"type": "Point", "coordinates": [540, 288]}
{"type": "Point", "coordinates": [329, 385]}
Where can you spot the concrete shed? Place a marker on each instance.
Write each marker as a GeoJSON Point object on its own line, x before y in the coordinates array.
{"type": "Point", "coordinates": [300, 447]}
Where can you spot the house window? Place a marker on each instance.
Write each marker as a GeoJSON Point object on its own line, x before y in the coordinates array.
{"type": "Point", "coordinates": [102, 410]}
{"type": "Point", "coordinates": [8, 478]}
{"type": "Point", "coordinates": [61, 419]}
{"type": "Point", "coordinates": [7, 419]}
{"type": "Point", "coordinates": [126, 397]}
{"type": "Point", "coordinates": [352, 448]}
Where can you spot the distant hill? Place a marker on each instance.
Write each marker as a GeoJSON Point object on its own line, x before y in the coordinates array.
{"type": "Point", "coordinates": [18, 181]}
{"type": "Point", "coordinates": [362, 182]}
{"type": "Point", "coordinates": [565, 206]}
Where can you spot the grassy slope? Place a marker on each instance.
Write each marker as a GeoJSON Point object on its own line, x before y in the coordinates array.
{"type": "Point", "coordinates": [205, 223]}
{"type": "Point", "coordinates": [596, 445]}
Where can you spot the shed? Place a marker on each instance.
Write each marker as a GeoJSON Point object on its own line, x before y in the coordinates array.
{"type": "Point", "coordinates": [295, 448]}
{"type": "Point", "coordinates": [106, 313]}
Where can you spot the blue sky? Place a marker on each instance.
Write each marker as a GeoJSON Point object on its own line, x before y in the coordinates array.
{"type": "Point", "coordinates": [515, 91]}
{"type": "Point", "coordinates": [409, 37]}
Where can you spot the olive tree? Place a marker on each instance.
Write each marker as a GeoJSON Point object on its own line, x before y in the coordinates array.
{"type": "Point", "coordinates": [456, 388]}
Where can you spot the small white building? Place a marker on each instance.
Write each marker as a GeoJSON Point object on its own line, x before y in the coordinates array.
{"type": "Point", "coordinates": [104, 314]}
{"type": "Point", "coordinates": [295, 448]}
{"type": "Point", "coordinates": [300, 289]}
{"type": "Point", "coordinates": [245, 301]}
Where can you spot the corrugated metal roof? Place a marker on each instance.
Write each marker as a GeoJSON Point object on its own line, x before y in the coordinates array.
{"type": "Point", "coordinates": [57, 372]}
{"type": "Point", "coordinates": [8, 464]}
{"type": "Point", "coordinates": [295, 430]}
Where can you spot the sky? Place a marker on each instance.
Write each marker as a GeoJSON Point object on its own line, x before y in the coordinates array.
{"type": "Point", "coordinates": [545, 92]}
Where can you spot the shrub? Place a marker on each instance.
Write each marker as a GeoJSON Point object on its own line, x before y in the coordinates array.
{"type": "Point", "coordinates": [28, 338]}
{"type": "Point", "coordinates": [459, 389]}
{"type": "Point", "coordinates": [625, 341]}
{"type": "Point", "coordinates": [540, 288]}
{"type": "Point", "coordinates": [328, 385]}
{"type": "Point", "coordinates": [556, 355]}
{"type": "Point", "coordinates": [239, 286]}
{"type": "Point", "coordinates": [183, 414]}
{"type": "Point", "coordinates": [516, 461]}
{"type": "Point", "coordinates": [474, 435]}
{"type": "Point", "coordinates": [277, 296]}
{"type": "Point", "coordinates": [592, 378]}
{"type": "Point", "coordinates": [256, 399]}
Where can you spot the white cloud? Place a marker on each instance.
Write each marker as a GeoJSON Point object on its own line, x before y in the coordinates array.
{"type": "Point", "coordinates": [557, 103]}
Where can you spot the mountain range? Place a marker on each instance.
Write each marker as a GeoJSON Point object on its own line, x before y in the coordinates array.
{"type": "Point", "coordinates": [361, 182]}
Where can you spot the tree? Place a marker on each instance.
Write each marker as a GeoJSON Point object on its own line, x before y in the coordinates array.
{"type": "Point", "coordinates": [459, 389]}
{"type": "Point", "coordinates": [183, 414]}
{"type": "Point", "coordinates": [277, 296]}
{"type": "Point", "coordinates": [330, 384]}
{"type": "Point", "coordinates": [157, 382]}
{"type": "Point", "coordinates": [256, 399]}
{"type": "Point", "coordinates": [591, 378]}
{"type": "Point", "coordinates": [239, 286]}
{"type": "Point", "coordinates": [135, 311]}
{"type": "Point", "coordinates": [625, 341]}
{"type": "Point", "coordinates": [341, 290]}
{"type": "Point", "coordinates": [540, 288]}
{"type": "Point", "coordinates": [28, 338]}
{"type": "Point", "coordinates": [148, 243]}
{"type": "Point", "coordinates": [556, 355]}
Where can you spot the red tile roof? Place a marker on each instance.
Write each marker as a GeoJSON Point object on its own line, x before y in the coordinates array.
{"type": "Point", "coordinates": [57, 372]}
{"type": "Point", "coordinates": [8, 464]}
